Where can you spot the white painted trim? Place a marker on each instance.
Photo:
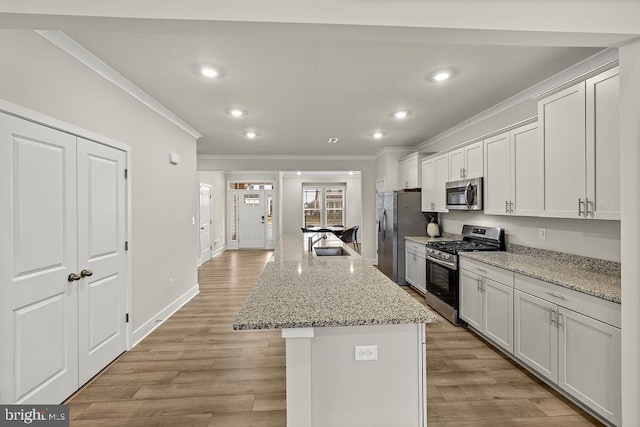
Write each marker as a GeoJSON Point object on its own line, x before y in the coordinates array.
{"type": "Point", "coordinates": [88, 59]}
{"type": "Point", "coordinates": [606, 58]}
{"type": "Point", "coordinates": [39, 118]}
{"type": "Point", "coordinates": [297, 333]}
{"type": "Point", "coordinates": [162, 316]}
{"type": "Point", "coordinates": [218, 251]}
{"type": "Point", "coordinates": [280, 157]}
{"type": "Point", "coordinates": [385, 150]}
{"type": "Point", "coordinates": [372, 261]}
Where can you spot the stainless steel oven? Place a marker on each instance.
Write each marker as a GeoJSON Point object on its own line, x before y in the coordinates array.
{"type": "Point", "coordinates": [442, 290]}
{"type": "Point", "coordinates": [465, 194]}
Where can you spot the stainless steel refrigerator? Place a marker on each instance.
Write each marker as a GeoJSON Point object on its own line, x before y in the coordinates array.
{"type": "Point", "coordinates": [399, 215]}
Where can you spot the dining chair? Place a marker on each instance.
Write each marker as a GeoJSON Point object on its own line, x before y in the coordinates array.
{"type": "Point", "coordinates": [350, 235]}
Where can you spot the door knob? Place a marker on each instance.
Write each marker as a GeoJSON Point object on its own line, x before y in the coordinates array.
{"type": "Point", "coordinates": [86, 273]}
{"type": "Point", "coordinates": [73, 277]}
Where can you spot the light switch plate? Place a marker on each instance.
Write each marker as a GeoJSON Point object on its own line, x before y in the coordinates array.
{"type": "Point", "coordinates": [542, 233]}
{"type": "Point", "coordinates": [366, 352]}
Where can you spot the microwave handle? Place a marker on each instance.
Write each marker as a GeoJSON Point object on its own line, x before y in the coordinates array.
{"type": "Point", "coordinates": [467, 190]}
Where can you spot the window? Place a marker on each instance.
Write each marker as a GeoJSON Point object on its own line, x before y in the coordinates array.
{"type": "Point", "coordinates": [323, 206]}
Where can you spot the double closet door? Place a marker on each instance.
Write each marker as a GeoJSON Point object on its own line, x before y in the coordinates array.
{"type": "Point", "coordinates": [62, 260]}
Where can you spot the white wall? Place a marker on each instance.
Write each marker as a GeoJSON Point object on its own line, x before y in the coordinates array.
{"type": "Point", "coordinates": [164, 242]}
{"type": "Point", "coordinates": [387, 167]}
{"type": "Point", "coordinates": [217, 181]}
{"type": "Point", "coordinates": [366, 167]}
{"type": "Point", "coordinates": [292, 200]}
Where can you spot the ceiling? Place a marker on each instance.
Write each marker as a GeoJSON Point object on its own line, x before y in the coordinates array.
{"type": "Point", "coordinates": [301, 87]}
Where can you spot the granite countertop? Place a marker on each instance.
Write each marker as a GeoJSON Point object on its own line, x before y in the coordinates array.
{"type": "Point", "coordinates": [299, 289]}
{"type": "Point", "coordinates": [602, 284]}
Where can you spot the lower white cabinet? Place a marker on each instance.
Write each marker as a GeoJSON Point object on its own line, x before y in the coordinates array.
{"type": "Point", "coordinates": [486, 302]}
{"type": "Point", "coordinates": [579, 353]}
{"type": "Point", "coordinates": [415, 267]}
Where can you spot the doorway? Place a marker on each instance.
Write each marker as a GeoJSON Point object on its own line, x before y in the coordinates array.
{"type": "Point", "coordinates": [206, 222]}
{"type": "Point", "coordinates": [251, 215]}
{"type": "Point", "coordinates": [252, 219]}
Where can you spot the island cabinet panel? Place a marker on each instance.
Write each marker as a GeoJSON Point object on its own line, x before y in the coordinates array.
{"type": "Point", "coordinates": [341, 387]}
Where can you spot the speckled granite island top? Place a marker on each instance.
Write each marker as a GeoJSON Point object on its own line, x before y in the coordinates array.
{"type": "Point", "coordinates": [299, 289]}
{"type": "Point", "coordinates": [603, 285]}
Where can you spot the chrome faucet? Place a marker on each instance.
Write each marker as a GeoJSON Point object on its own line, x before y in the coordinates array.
{"type": "Point", "coordinates": [313, 242]}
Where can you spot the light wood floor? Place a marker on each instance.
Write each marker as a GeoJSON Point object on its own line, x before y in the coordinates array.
{"type": "Point", "coordinates": [194, 370]}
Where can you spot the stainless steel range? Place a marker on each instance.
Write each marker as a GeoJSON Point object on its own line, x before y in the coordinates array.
{"type": "Point", "coordinates": [442, 266]}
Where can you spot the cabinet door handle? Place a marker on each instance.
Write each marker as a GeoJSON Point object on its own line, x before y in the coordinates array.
{"type": "Point", "coordinates": [559, 322]}
{"type": "Point", "coordinates": [555, 295]}
{"type": "Point", "coordinates": [552, 313]}
{"type": "Point", "coordinates": [510, 207]}
{"type": "Point", "coordinates": [580, 203]}
{"type": "Point", "coordinates": [588, 202]}
{"type": "Point", "coordinates": [506, 206]}
{"type": "Point", "coordinates": [481, 269]}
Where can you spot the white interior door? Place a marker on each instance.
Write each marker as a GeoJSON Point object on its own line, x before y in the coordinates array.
{"type": "Point", "coordinates": [38, 251]}
{"type": "Point", "coordinates": [251, 217]}
{"type": "Point", "coordinates": [206, 203]}
{"type": "Point", "coordinates": [101, 256]}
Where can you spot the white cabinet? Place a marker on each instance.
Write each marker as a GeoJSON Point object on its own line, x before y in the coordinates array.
{"type": "Point", "coordinates": [435, 174]}
{"type": "Point", "coordinates": [513, 181]}
{"type": "Point", "coordinates": [579, 353]}
{"type": "Point", "coordinates": [409, 171]}
{"type": "Point", "coordinates": [486, 301]}
{"type": "Point", "coordinates": [580, 145]}
{"type": "Point", "coordinates": [415, 265]}
{"type": "Point", "coordinates": [428, 194]}
{"type": "Point", "coordinates": [466, 162]}
{"type": "Point", "coordinates": [603, 146]}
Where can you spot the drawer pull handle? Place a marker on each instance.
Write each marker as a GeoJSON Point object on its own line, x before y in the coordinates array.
{"type": "Point", "coordinates": [552, 314]}
{"type": "Point", "coordinates": [555, 295]}
{"type": "Point", "coordinates": [481, 269]}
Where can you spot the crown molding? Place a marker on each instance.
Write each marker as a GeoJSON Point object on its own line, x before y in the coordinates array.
{"type": "Point", "coordinates": [599, 62]}
{"type": "Point", "coordinates": [280, 157]}
{"type": "Point", "coordinates": [88, 59]}
{"type": "Point", "coordinates": [386, 150]}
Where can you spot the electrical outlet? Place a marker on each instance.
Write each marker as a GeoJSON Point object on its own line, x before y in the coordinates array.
{"type": "Point", "coordinates": [366, 352]}
{"type": "Point", "coordinates": [542, 233]}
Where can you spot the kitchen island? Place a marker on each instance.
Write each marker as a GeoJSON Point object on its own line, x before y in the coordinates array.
{"type": "Point", "coordinates": [329, 308]}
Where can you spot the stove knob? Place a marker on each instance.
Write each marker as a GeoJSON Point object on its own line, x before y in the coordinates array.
{"type": "Point", "coordinates": [446, 256]}
{"type": "Point", "coordinates": [429, 250]}
{"type": "Point", "coordinates": [436, 253]}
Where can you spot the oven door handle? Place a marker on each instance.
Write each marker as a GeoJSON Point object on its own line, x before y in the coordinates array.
{"type": "Point", "coordinates": [445, 264]}
{"type": "Point", "coordinates": [467, 190]}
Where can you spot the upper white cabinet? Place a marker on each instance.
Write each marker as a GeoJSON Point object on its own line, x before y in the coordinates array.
{"type": "Point", "coordinates": [513, 181]}
{"type": "Point", "coordinates": [580, 146]}
{"type": "Point", "coordinates": [603, 146]}
{"type": "Point", "coordinates": [435, 174]}
{"type": "Point", "coordinates": [409, 171]}
{"type": "Point", "coordinates": [466, 162]}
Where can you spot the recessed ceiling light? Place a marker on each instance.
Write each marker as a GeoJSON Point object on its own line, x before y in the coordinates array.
{"type": "Point", "coordinates": [250, 134]}
{"type": "Point", "coordinates": [332, 140]}
{"type": "Point", "coordinates": [350, 172]}
{"type": "Point", "coordinates": [298, 173]}
{"type": "Point", "coordinates": [400, 114]}
{"type": "Point", "coordinates": [209, 72]}
{"type": "Point", "coordinates": [442, 74]}
{"type": "Point", "coordinates": [235, 112]}
{"type": "Point", "coordinates": [378, 135]}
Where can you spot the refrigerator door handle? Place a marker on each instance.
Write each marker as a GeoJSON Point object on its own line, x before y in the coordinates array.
{"type": "Point", "coordinates": [384, 223]}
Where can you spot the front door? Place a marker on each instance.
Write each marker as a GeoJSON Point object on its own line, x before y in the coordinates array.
{"type": "Point", "coordinates": [205, 222]}
{"type": "Point", "coordinates": [251, 217]}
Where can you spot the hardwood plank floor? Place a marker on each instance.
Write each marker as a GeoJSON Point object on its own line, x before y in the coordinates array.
{"type": "Point", "coordinates": [194, 370]}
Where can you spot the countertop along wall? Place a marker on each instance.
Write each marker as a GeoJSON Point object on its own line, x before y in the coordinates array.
{"type": "Point", "coordinates": [164, 242]}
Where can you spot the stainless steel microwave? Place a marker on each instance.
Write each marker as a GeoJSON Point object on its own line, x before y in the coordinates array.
{"type": "Point", "coordinates": [465, 194]}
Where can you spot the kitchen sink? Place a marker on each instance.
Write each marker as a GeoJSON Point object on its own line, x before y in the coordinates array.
{"type": "Point", "coordinates": [331, 251]}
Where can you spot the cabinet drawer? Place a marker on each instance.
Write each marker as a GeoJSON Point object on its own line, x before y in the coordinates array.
{"type": "Point", "coordinates": [594, 307]}
{"type": "Point", "coordinates": [415, 248]}
{"type": "Point", "coordinates": [497, 274]}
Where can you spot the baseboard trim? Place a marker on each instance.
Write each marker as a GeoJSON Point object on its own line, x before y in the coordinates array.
{"type": "Point", "coordinates": [157, 320]}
